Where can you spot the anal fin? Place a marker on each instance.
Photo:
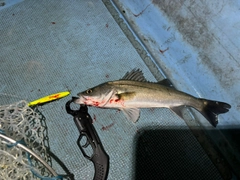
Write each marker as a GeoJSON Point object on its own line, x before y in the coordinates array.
{"type": "Point", "coordinates": [131, 113]}
{"type": "Point", "coordinates": [178, 110]}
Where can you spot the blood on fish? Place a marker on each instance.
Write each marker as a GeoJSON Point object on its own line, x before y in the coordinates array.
{"type": "Point", "coordinates": [111, 100]}
{"type": "Point", "coordinates": [114, 100]}
{"type": "Point", "coordinates": [117, 101]}
{"type": "Point", "coordinates": [95, 103]}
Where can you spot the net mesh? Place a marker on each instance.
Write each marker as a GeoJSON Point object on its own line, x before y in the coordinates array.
{"type": "Point", "coordinates": [21, 123]}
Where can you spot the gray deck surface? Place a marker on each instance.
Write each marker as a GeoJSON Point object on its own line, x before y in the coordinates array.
{"type": "Point", "coordinates": [52, 46]}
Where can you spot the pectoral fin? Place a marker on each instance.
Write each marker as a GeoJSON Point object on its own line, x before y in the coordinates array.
{"type": "Point", "coordinates": [131, 113]}
{"type": "Point", "coordinates": [126, 95]}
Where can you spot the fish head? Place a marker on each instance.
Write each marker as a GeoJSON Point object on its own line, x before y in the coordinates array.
{"type": "Point", "coordinates": [96, 96]}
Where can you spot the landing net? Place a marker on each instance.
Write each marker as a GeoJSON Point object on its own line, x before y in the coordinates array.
{"type": "Point", "coordinates": [26, 126]}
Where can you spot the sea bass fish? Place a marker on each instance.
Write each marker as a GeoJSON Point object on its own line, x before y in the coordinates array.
{"type": "Point", "coordinates": [133, 91]}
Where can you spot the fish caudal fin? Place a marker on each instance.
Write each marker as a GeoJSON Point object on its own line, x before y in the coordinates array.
{"type": "Point", "coordinates": [212, 109]}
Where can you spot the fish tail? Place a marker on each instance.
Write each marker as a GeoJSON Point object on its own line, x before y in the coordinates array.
{"type": "Point", "coordinates": [211, 110]}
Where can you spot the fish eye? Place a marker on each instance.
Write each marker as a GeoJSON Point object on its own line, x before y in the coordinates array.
{"type": "Point", "coordinates": [89, 91]}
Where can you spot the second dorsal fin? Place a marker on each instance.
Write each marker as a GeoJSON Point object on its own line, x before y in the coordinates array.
{"type": "Point", "coordinates": [166, 82]}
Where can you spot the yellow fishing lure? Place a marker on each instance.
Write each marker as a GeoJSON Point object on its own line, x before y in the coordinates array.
{"type": "Point", "coordinates": [49, 98]}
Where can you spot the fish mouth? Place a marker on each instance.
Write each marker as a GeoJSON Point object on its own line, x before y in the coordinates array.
{"type": "Point", "coordinates": [75, 98]}
{"type": "Point", "coordinates": [84, 100]}
{"type": "Point", "coordinates": [79, 100]}
{"type": "Point", "coordinates": [99, 101]}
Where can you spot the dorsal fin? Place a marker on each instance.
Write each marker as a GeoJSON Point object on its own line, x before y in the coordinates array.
{"type": "Point", "coordinates": [166, 82]}
{"type": "Point", "coordinates": [134, 75]}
